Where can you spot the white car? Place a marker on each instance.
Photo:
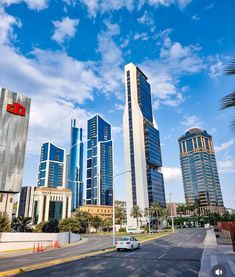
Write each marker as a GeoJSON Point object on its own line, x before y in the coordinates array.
{"type": "Point", "coordinates": [129, 243]}
{"type": "Point", "coordinates": [133, 230]}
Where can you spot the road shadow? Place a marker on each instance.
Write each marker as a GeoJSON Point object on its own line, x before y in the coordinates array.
{"type": "Point", "coordinates": [179, 261]}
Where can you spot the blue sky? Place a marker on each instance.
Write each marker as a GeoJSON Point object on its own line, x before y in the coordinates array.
{"type": "Point", "coordinates": [69, 56]}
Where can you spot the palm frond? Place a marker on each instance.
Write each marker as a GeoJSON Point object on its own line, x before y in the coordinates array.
{"type": "Point", "coordinates": [228, 101]}
{"type": "Point", "coordinates": [232, 125]}
{"type": "Point", "coordinates": [230, 70]}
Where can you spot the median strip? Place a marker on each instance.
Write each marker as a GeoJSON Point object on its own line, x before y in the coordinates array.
{"type": "Point", "coordinates": [65, 260]}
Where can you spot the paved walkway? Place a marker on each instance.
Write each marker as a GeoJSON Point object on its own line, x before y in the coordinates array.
{"type": "Point", "coordinates": [214, 254]}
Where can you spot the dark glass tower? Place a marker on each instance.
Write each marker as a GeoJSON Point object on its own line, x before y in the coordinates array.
{"type": "Point", "coordinates": [142, 150]}
{"type": "Point", "coordinates": [99, 189]}
{"type": "Point", "coordinates": [75, 166]}
{"type": "Point", "coordinates": [199, 171]}
{"type": "Point", "coordinates": [52, 166]}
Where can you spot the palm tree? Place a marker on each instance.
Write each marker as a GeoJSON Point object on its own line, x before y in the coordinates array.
{"type": "Point", "coordinates": [148, 214]}
{"type": "Point", "coordinates": [181, 209]}
{"type": "Point", "coordinates": [156, 209]}
{"type": "Point", "coordinates": [136, 213]}
{"type": "Point", "coordinates": [22, 224]}
{"type": "Point", "coordinates": [119, 215]}
{"type": "Point", "coordinates": [228, 101]}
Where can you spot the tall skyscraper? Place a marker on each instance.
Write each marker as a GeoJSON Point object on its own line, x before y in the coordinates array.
{"type": "Point", "coordinates": [25, 204]}
{"type": "Point", "coordinates": [99, 189]}
{"type": "Point", "coordinates": [142, 150]}
{"type": "Point", "coordinates": [14, 121]}
{"type": "Point", "coordinates": [51, 199]}
{"type": "Point", "coordinates": [75, 166]}
{"type": "Point", "coordinates": [52, 166]}
{"type": "Point", "coordinates": [199, 171]}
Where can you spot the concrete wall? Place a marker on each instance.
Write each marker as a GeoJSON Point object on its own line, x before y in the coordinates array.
{"type": "Point", "coordinates": [16, 241]}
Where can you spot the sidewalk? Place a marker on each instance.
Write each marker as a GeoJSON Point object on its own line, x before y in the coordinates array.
{"type": "Point", "coordinates": [214, 254]}
{"type": "Point", "coordinates": [22, 252]}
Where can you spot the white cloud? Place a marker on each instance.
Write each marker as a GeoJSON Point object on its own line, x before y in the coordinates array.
{"type": "Point", "coordinates": [172, 174]}
{"type": "Point", "coordinates": [110, 67]}
{"type": "Point", "coordinates": [147, 19]}
{"type": "Point", "coordinates": [70, 2]}
{"type": "Point", "coordinates": [166, 3]}
{"type": "Point", "coordinates": [216, 69]}
{"type": "Point", "coordinates": [141, 36]}
{"type": "Point", "coordinates": [64, 29]}
{"type": "Point", "coordinates": [209, 7]}
{"type": "Point", "coordinates": [195, 17]}
{"type": "Point", "coordinates": [119, 107]}
{"type": "Point", "coordinates": [32, 4]}
{"type": "Point", "coordinates": [7, 23]}
{"type": "Point", "coordinates": [102, 6]}
{"type": "Point", "coordinates": [56, 82]}
{"type": "Point", "coordinates": [224, 146]}
{"type": "Point", "coordinates": [181, 59]}
{"type": "Point", "coordinates": [226, 165]}
{"type": "Point", "coordinates": [183, 3]}
{"type": "Point", "coordinates": [192, 121]}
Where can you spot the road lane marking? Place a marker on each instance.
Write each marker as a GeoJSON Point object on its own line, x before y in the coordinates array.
{"type": "Point", "coordinates": [63, 260]}
{"type": "Point", "coordinates": [164, 254]}
{"type": "Point", "coordinates": [232, 266]}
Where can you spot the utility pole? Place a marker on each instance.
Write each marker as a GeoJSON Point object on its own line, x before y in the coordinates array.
{"type": "Point", "coordinates": [124, 172]}
{"type": "Point", "coordinates": [172, 217]}
{"type": "Point", "coordinates": [149, 221]}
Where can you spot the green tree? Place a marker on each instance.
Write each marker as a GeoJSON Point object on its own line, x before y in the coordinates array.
{"type": "Point", "coordinates": [96, 222]}
{"type": "Point", "coordinates": [228, 101]}
{"type": "Point", "coordinates": [136, 213]}
{"type": "Point", "coordinates": [22, 224]}
{"type": "Point", "coordinates": [107, 223]}
{"type": "Point", "coordinates": [69, 225]}
{"type": "Point", "coordinates": [38, 227]}
{"type": "Point", "coordinates": [4, 223]}
{"type": "Point", "coordinates": [181, 209]}
{"type": "Point", "coordinates": [51, 226]}
{"type": "Point", "coordinates": [119, 215]}
{"type": "Point", "coordinates": [156, 210]}
{"type": "Point", "coordinates": [84, 218]}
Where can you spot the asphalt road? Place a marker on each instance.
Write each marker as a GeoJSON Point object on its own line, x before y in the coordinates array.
{"type": "Point", "coordinates": [176, 255]}
{"type": "Point", "coordinates": [94, 243]}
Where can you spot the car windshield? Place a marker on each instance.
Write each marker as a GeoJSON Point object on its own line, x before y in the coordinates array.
{"type": "Point", "coordinates": [124, 239]}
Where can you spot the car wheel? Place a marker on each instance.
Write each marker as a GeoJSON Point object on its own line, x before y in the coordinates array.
{"type": "Point", "coordinates": [118, 249]}
{"type": "Point", "coordinates": [132, 248]}
{"type": "Point", "coordinates": [139, 246]}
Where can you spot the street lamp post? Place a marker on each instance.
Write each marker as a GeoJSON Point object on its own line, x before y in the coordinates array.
{"type": "Point", "coordinates": [127, 171]}
{"type": "Point", "coordinates": [172, 218]}
{"type": "Point", "coordinates": [149, 221]}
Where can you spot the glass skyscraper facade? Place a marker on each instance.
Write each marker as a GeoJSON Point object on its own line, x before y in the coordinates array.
{"type": "Point", "coordinates": [99, 186]}
{"type": "Point", "coordinates": [199, 170]}
{"type": "Point", "coordinates": [52, 166]}
{"type": "Point", "coordinates": [145, 183]}
{"type": "Point", "coordinates": [14, 121]}
{"type": "Point", "coordinates": [75, 166]}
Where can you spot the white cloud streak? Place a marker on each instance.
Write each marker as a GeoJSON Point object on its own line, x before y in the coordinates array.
{"type": "Point", "coordinates": [32, 4]}
{"type": "Point", "coordinates": [224, 146]}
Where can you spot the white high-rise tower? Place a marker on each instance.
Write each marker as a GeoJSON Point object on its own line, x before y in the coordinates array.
{"type": "Point", "coordinates": [141, 146]}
